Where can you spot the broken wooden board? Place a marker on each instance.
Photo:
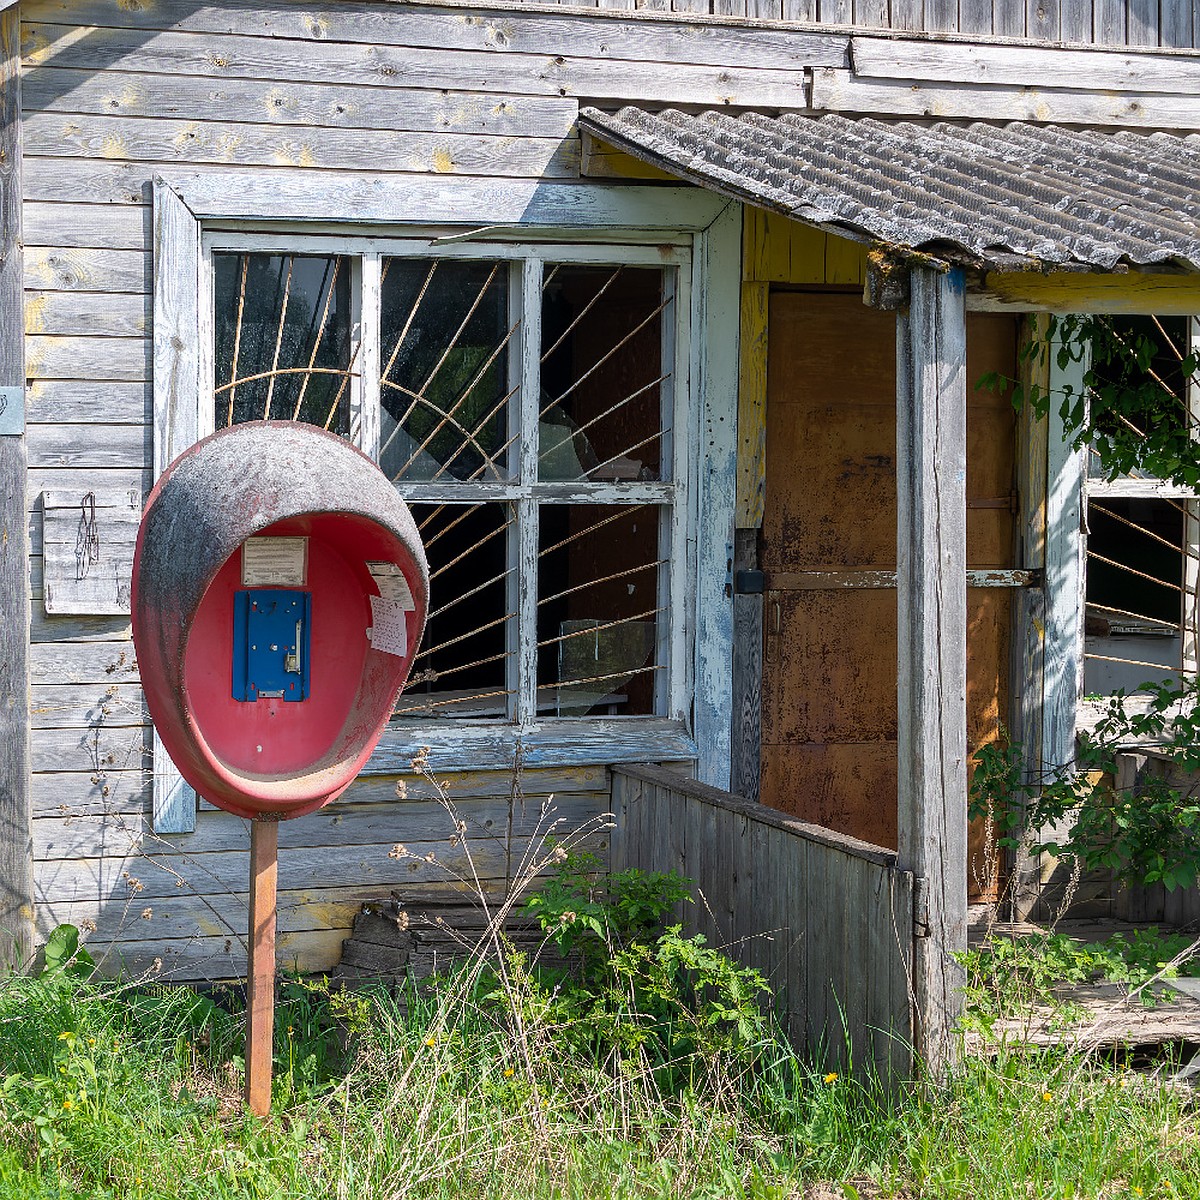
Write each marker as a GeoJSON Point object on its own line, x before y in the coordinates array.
{"type": "Point", "coordinates": [1099, 1016]}
{"type": "Point", "coordinates": [390, 943]}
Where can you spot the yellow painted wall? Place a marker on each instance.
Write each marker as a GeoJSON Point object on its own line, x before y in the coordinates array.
{"type": "Point", "coordinates": [777, 249]}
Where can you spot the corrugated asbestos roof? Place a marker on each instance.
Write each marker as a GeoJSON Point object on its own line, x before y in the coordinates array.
{"type": "Point", "coordinates": [1013, 196]}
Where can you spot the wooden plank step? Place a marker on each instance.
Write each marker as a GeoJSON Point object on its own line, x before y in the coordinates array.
{"type": "Point", "coordinates": [389, 943]}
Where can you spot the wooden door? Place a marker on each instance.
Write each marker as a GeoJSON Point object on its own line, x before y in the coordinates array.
{"type": "Point", "coordinates": [829, 552]}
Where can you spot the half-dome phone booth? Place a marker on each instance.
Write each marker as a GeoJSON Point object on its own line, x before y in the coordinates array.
{"type": "Point", "coordinates": [280, 591]}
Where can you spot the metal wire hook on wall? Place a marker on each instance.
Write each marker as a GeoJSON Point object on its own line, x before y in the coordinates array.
{"type": "Point", "coordinates": [87, 541]}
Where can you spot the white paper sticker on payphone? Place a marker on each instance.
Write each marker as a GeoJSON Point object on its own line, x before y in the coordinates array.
{"type": "Point", "coordinates": [389, 630]}
{"type": "Point", "coordinates": [392, 585]}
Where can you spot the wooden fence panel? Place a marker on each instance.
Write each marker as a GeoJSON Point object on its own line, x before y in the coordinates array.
{"type": "Point", "coordinates": [826, 918]}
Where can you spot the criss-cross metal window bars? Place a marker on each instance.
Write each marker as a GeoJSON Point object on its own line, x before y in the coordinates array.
{"type": "Point", "coordinates": [526, 401]}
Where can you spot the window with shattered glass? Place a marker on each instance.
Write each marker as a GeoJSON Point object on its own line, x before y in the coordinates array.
{"type": "Point", "coordinates": [524, 404]}
{"type": "Point", "coordinates": [1143, 541]}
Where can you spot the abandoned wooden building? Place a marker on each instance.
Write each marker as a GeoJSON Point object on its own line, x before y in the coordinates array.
{"type": "Point", "coordinates": [667, 324]}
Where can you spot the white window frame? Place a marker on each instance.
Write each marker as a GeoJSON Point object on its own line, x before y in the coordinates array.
{"type": "Point", "coordinates": [1070, 486]}
{"type": "Point", "coordinates": [195, 213]}
{"type": "Point", "coordinates": [523, 490]}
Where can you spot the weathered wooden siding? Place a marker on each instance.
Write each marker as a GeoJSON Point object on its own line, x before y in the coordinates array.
{"type": "Point", "coordinates": [826, 918]}
{"type": "Point", "coordinates": [16, 862]}
{"type": "Point", "coordinates": [1103, 22]}
{"type": "Point", "coordinates": [116, 93]}
{"type": "Point", "coordinates": [182, 900]}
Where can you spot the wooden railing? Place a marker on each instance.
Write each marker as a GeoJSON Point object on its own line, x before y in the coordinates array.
{"type": "Point", "coordinates": [826, 918]}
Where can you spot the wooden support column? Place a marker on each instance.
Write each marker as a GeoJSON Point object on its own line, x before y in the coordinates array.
{"type": "Point", "coordinates": [1064, 574]}
{"type": "Point", "coordinates": [260, 977]}
{"type": "Point", "coordinates": [746, 766]}
{"type": "Point", "coordinates": [1027, 663]}
{"type": "Point", "coordinates": [16, 845]}
{"type": "Point", "coordinates": [931, 556]}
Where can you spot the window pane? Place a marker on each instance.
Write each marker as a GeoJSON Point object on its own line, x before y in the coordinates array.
{"type": "Point", "coordinates": [599, 615]}
{"type": "Point", "coordinates": [603, 374]}
{"type": "Point", "coordinates": [1134, 592]}
{"type": "Point", "coordinates": [445, 386]}
{"type": "Point", "coordinates": [282, 339]}
{"type": "Point", "coordinates": [461, 669]}
{"type": "Point", "coordinates": [1139, 354]}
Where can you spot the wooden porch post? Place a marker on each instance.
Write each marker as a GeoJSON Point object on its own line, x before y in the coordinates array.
{"type": "Point", "coordinates": [931, 469]}
{"type": "Point", "coordinates": [16, 853]}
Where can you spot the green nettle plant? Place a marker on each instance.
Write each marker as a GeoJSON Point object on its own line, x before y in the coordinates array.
{"type": "Point", "coordinates": [628, 988]}
{"type": "Point", "coordinates": [1133, 422]}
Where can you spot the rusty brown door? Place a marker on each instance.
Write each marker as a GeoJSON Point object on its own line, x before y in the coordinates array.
{"type": "Point", "coordinates": [829, 552]}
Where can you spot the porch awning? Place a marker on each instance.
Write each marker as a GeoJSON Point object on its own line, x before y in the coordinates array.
{"type": "Point", "coordinates": [1012, 197]}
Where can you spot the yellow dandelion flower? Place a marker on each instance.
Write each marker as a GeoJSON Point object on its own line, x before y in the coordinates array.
{"type": "Point", "coordinates": [91, 1041]}
{"type": "Point", "coordinates": [1167, 1184]}
{"type": "Point", "coordinates": [68, 1104]}
{"type": "Point", "coordinates": [1047, 1097]}
{"type": "Point", "coordinates": [831, 1077]}
{"type": "Point", "coordinates": [431, 1040]}
{"type": "Point", "coordinates": [1137, 1191]}
{"type": "Point", "coordinates": [508, 1072]}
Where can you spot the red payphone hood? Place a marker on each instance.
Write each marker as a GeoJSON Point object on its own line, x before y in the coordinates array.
{"type": "Point", "coordinates": [276, 476]}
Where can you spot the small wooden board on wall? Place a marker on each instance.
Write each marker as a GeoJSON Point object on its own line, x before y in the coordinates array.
{"type": "Point", "coordinates": [87, 542]}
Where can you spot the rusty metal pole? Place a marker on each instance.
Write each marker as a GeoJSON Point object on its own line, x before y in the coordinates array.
{"type": "Point", "coordinates": [260, 978]}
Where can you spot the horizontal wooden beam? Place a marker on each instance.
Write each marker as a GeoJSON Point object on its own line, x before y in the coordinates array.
{"type": "Point", "coordinates": [808, 581]}
{"type": "Point", "coordinates": [1140, 489]}
{"type": "Point", "coordinates": [835, 89]}
{"type": "Point", "coordinates": [658, 36]}
{"type": "Point", "coordinates": [1064, 291]}
{"type": "Point", "coordinates": [1040, 66]}
{"type": "Point", "coordinates": [486, 203]}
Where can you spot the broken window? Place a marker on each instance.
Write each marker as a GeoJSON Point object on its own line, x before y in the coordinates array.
{"type": "Point", "coordinates": [524, 404]}
{"type": "Point", "coordinates": [1142, 541]}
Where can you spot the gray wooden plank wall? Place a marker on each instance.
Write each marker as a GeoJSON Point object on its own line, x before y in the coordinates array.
{"type": "Point", "coordinates": [827, 919]}
{"type": "Point", "coordinates": [1100, 22]}
{"type": "Point", "coordinates": [182, 899]}
{"type": "Point", "coordinates": [116, 92]}
{"type": "Point", "coordinates": [109, 105]}
{"type": "Point", "coordinates": [1112, 22]}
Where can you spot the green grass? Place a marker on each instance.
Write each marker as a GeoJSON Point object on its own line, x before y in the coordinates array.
{"type": "Point", "coordinates": [123, 1092]}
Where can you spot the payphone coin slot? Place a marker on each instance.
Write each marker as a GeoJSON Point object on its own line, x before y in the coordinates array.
{"type": "Point", "coordinates": [271, 632]}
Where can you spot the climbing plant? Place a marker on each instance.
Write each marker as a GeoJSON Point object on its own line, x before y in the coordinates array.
{"type": "Point", "coordinates": [1131, 416]}
{"type": "Point", "coordinates": [1130, 409]}
{"type": "Point", "coordinates": [1145, 833]}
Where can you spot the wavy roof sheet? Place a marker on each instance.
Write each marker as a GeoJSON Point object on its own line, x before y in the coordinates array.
{"type": "Point", "coordinates": [1009, 197]}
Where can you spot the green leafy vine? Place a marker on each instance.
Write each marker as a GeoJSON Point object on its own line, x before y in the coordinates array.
{"type": "Point", "coordinates": [1129, 406]}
